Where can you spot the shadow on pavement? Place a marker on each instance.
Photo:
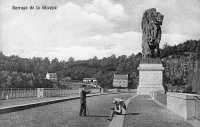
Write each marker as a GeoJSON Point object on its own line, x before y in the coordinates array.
{"type": "Point", "coordinates": [131, 114]}
{"type": "Point", "coordinates": [96, 116]}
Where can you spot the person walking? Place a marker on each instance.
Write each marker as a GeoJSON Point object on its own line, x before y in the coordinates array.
{"type": "Point", "coordinates": [83, 100]}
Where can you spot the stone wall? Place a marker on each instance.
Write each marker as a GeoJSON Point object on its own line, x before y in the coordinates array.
{"type": "Point", "coordinates": [184, 105]}
{"type": "Point", "coordinates": [159, 96]}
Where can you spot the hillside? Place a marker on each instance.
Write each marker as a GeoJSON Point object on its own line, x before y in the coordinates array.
{"type": "Point", "coordinates": [181, 67]}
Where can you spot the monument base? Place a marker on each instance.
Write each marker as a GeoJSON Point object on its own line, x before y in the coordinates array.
{"type": "Point", "coordinates": [150, 78]}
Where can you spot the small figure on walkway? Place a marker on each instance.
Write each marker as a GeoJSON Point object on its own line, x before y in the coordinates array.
{"type": "Point", "coordinates": [83, 100]}
{"type": "Point", "coordinates": [119, 104]}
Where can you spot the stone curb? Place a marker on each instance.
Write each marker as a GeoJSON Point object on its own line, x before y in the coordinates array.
{"type": "Point", "coordinates": [4, 110]}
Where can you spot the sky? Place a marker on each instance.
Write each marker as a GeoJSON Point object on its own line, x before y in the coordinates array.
{"type": "Point", "coordinates": [83, 29]}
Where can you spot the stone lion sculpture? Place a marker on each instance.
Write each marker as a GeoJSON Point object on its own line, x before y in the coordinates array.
{"type": "Point", "coordinates": [151, 33]}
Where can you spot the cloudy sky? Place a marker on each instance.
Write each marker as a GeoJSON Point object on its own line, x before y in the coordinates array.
{"type": "Point", "coordinates": [86, 28]}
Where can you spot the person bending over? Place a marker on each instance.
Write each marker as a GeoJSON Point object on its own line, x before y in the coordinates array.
{"type": "Point", "coordinates": [119, 104]}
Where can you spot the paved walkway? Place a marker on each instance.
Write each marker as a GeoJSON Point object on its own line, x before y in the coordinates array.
{"type": "Point", "coordinates": [8, 106]}
{"type": "Point", "coordinates": [144, 112]}
{"type": "Point", "coordinates": [21, 101]}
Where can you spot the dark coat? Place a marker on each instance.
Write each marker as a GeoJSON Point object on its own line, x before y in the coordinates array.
{"type": "Point", "coordinates": [83, 96]}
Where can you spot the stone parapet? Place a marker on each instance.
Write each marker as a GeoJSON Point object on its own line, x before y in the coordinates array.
{"type": "Point", "coordinates": [183, 104]}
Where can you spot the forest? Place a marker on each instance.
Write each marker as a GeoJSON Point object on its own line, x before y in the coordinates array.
{"type": "Point", "coordinates": [17, 72]}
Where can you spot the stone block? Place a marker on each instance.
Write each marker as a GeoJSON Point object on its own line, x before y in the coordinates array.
{"type": "Point", "coordinates": [150, 78]}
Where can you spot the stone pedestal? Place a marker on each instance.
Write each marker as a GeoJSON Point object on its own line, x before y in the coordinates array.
{"type": "Point", "coordinates": [150, 78]}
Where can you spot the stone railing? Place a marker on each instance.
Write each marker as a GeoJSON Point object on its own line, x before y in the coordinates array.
{"type": "Point", "coordinates": [14, 93]}
{"type": "Point", "coordinates": [185, 105]}
{"type": "Point", "coordinates": [49, 92]}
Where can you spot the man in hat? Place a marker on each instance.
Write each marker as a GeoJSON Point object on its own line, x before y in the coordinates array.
{"type": "Point", "coordinates": [83, 100]}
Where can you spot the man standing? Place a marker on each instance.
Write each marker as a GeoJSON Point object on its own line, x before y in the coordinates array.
{"type": "Point", "coordinates": [83, 101]}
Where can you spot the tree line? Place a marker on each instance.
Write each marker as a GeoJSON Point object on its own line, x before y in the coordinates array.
{"type": "Point", "coordinates": [17, 72]}
{"type": "Point", "coordinates": [190, 46]}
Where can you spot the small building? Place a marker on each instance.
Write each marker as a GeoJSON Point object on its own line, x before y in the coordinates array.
{"type": "Point", "coordinates": [90, 80]}
{"type": "Point", "coordinates": [120, 80]}
{"type": "Point", "coordinates": [52, 77]}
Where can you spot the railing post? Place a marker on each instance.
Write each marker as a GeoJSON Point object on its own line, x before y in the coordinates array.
{"type": "Point", "coordinates": [3, 93]}
{"type": "Point", "coordinates": [18, 93]}
{"type": "Point", "coordinates": [24, 93]}
{"type": "Point", "coordinates": [14, 94]}
{"type": "Point", "coordinates": [30, 93]}
{"type": "Point", "coordinates": [7, 93]}
{"type": "Point", "coordinates": [11, 94]}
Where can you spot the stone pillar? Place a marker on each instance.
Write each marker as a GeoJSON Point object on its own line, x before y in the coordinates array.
{"type": "Point", "coordinates": [150, 78]}
{"type": "Point", "coordinates": [40, 92]}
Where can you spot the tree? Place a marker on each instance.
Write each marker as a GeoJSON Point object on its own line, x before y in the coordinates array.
{"type": "Point", "coordinates": [55, 65]}
{"type": "Point", "coordinates": [71, 61]}
{"type": "Point", "coordinates": [121, 68]}
{"type": "Point", "coordinates": [110, 63]}
{"type": "Point", "coordinates": [198, 52]}
{"type": "Point", "coordinates": [94, 62]}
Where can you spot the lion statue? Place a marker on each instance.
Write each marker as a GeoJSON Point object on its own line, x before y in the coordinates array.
{"type": "Point", "coordinates": [151, 33]}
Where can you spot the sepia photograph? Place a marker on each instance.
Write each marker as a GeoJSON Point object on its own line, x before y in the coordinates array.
{"type": "Point", "coordinates": [99, 63]}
